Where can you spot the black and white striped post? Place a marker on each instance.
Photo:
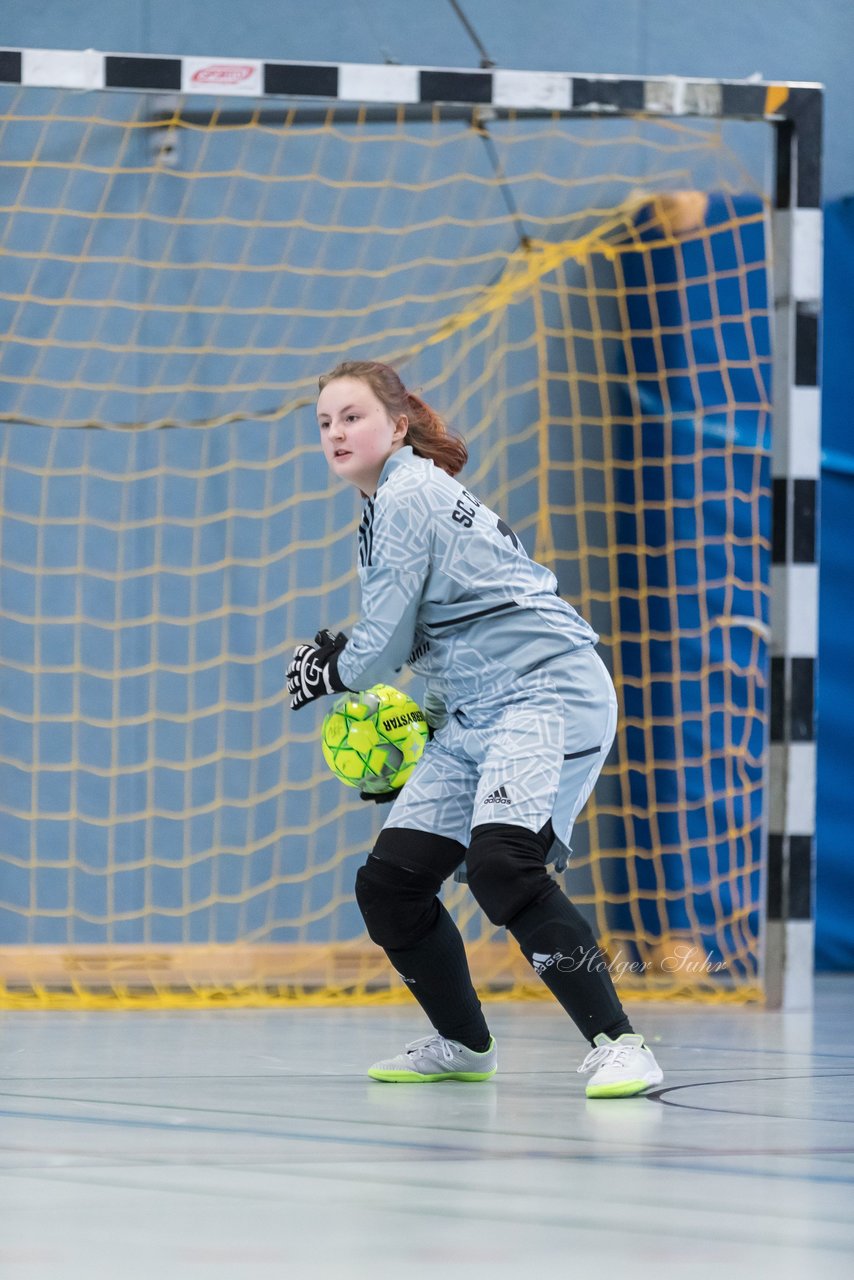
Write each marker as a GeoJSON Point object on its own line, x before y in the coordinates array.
{"type": "Point", "coordinates": [797, 223]}
{"type": "Point", "coordinates": [795, 111]}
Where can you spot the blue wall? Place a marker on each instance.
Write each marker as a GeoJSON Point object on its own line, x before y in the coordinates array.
{"type": "Point", "coordinates": [835, 872]}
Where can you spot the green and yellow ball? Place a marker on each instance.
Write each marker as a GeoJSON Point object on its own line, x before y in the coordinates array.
{"type": "Point", "coordinates": [374, 740]}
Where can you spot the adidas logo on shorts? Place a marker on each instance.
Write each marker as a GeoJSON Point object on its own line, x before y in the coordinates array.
{"type": "Point", "coordinates": [498, 796]}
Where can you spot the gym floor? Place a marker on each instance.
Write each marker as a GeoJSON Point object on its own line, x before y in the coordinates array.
{"type": "Point", "coordinates": [244, 1143]}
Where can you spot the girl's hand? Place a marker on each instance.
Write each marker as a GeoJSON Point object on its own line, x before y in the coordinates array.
{"type": "Point", "coordinates": [313, 669]}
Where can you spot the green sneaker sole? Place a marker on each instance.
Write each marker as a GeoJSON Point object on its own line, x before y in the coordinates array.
{"type": "Point", "coordinates": [414, 1077]}
{"type": "Point", "coordinates": [625, 1089]}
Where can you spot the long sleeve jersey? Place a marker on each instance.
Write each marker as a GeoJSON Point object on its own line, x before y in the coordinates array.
{"type": "Point", "coordinates": [447, 587]}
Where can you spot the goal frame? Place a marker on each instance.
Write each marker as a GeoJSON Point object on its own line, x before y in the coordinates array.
{"type": "Point", "coordinates": [795, 111]}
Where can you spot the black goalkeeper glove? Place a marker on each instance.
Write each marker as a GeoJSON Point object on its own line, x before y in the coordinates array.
{"type": "Point", "coordinates": [380, 797]}
{"type": "Point", "coordinates": [313, 670]}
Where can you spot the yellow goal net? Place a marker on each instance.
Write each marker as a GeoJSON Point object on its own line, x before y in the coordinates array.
{"type": "Point", "coordinates": [585, 301]}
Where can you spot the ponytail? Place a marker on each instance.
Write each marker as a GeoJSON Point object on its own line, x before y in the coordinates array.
{"type": "Point", "coordinates": [430, 437]}
{"type": "Point", "coordinates": [427, 433]}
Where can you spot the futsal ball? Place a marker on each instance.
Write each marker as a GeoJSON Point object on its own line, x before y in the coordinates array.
{"type": "Point", "coordinates": [373, 740]}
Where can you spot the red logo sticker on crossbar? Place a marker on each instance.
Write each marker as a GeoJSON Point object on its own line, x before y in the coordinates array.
{"type": "Point", "coordinates": [223, 73]}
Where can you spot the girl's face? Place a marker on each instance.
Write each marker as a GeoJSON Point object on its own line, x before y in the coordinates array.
{"type": "Point", "coordinates": [356, 432]}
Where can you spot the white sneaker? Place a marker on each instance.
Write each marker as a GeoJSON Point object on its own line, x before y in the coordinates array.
{"type": "Point", "coordinates": [434, 1059]}
{"type": "Point", "coordinates": [622, 1067]}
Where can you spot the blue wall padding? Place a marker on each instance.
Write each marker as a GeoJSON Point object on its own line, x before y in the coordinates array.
{"type": "Point", "coordinates": [835, 864]}
{"type": "Point", "coordinates": [694, 593]}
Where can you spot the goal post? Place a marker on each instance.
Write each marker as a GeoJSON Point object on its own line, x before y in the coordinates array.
{"type": "Point", "coordinates": [585, 273]}
{"type": "Point", "coordinates": [798, 238]}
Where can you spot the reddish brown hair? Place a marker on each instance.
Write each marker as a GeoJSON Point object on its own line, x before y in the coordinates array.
{"type": "Point", "coordinates": [427, 433]}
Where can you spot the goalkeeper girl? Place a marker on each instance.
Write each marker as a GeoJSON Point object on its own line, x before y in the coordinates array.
{"type": "Point", "coordinates": [523, 714]}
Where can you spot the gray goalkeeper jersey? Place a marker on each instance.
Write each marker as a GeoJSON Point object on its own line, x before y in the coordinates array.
{"type": "Point", "coordinates": [448, 588]}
